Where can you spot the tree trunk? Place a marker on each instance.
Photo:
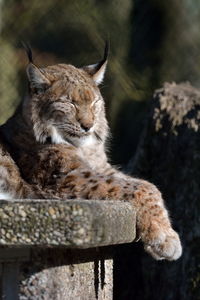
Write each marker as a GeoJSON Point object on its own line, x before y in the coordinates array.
{"type": "Point", "coordinates": [168, 156]}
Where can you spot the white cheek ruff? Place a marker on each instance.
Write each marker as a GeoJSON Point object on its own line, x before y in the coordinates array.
{"type": "Point", "coordinates": [87, 141]}
{"type": "Point", "coordinates": [56, 137]}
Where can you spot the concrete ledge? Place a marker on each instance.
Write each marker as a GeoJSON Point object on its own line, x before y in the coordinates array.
{"type": "Point", "coordinates": [65, 223]}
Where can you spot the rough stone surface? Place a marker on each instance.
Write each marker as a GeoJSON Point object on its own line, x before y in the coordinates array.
{"type": "Point", "coordinates": [80, 280]}
{"type": "Point", "coordinates": [70, 223]}
{"type": "Point", "coordinates": [174, 104]}
{"type": "Point", "coordinates": [56, 273]}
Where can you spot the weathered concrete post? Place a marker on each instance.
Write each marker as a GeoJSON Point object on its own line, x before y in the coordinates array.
{"type": "Point", "coordinates": [169, 156]}
{"type": "Point", "coordinates": [55, 249]}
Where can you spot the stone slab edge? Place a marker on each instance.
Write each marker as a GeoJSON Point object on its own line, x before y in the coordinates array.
{"type": "Point", "coordinates": [66, 223]}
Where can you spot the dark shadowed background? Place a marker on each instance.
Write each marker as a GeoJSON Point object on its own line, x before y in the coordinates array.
{"type": "Point", "coordinates": [151, 41]}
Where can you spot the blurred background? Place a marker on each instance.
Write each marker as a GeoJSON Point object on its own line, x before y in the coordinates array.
{"type": "Point", "coordinates": [151, 42]}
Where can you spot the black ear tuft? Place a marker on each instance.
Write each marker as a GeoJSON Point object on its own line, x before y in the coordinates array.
{"type": "Point", "coordinates": [105, 56]}
{"type": "Point", "coordinates": [106, 50]}
{"type": "Point", "coordinates": [28, 51]}
{"type": "Point", "coordinates": [96, 71]}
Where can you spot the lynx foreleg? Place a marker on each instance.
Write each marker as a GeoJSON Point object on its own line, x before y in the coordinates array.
{"type": "Point", "coordinates": [153, 223]}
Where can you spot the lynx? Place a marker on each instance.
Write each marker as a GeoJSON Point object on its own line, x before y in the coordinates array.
{"type": "Point", "coordinates": [57, 138]}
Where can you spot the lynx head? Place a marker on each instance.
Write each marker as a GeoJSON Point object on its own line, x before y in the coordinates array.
{"type": "Point", "coordinates": [65, 103]}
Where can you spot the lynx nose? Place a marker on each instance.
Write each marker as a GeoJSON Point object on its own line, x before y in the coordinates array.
{"type": "Point", "coordinates": [86, 127]}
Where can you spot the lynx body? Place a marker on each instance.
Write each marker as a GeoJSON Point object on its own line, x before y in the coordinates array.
{"type": "Point", "coordinates": [57, 138]}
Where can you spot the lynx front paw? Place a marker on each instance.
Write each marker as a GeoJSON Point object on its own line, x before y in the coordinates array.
{"type": "Point", "coordinates": [164, 245]}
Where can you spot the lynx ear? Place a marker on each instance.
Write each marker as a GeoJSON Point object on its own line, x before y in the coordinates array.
{"type": "Point", "coordinates": [36, 77]}
{"type": "Point", "coordinates": [97, 70]}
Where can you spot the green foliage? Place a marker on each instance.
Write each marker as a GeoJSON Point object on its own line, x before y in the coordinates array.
{"type": "Point", "coordinates": [9, 81]}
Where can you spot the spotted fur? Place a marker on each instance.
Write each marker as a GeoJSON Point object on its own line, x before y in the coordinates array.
{"type": "Point", "coordinates": [57, 137]}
